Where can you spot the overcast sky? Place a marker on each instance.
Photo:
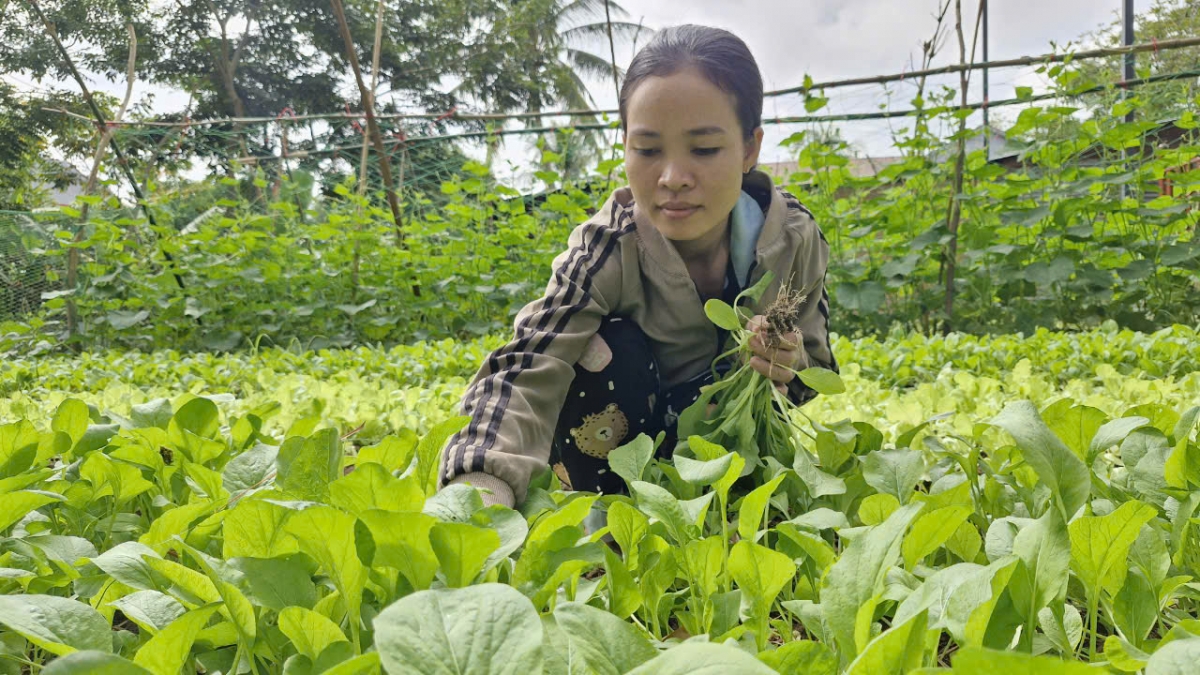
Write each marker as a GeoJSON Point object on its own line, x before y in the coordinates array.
{"type": "Point", "coordinates": [838, 39]}
{"type": "Point", "coordinates": [835, 39]}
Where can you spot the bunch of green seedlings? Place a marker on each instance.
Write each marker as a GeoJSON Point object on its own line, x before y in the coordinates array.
{"type": "Point", "coordinates": [744, 411]}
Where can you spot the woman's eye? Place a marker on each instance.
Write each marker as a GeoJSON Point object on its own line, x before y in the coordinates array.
{"type": "Point", "coordinates": [706, 151]}
{"type": "Point", "coordinates": [646, 152]}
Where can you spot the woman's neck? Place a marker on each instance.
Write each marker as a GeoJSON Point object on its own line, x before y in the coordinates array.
{"type": "Point", "coordinates": [711, 248]}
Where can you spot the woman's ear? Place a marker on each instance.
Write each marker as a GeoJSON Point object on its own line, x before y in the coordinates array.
{"type": "Point", "coordinates": [753, 147]}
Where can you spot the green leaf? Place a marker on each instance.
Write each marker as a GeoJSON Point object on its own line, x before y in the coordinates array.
{"type": "Point", "coordinates": [628, 527]}
{"type": "Point", "coordinates": [822, 381]}
{"type": "Point", "coordinates": [429, 451]}
{"type": "Point", "coordinates": [152, 413]}
{"type": "Point", "coordinates": [188, 583]}
{"type": "Point", "coordinates": [894, 472]}
{"type": "Point", "coordinates": [854, 585]}
{"type": "Point", "coordinates": [454, 503]}
{"type": "Point", "coordinates": [72, 418]}
{"type": "Point", "coordinates": [569, 515]}
{"type": "Point", "coordinates": [594, 641]}
{"type": "Point", "coordinates": [630, 460]}
{"type": "Point", "coordinates": [366, 664]}
{"type": "Point", "coordinates": [761, 574]}
{"type": "Point", "coordinates": [702, 658]}
{"type": "Point", "coordinates": [821, 552]}
{"type": "Point", "coordinates": [1063, 626]}
{"type": "Point", "coordinates": [1075, 425]}
{"type": "Point", "coordinates": [327, 535]}
{"type": "Point", "coordinates": [702, 561]}
{"type": "Point", "coordinates": [623, 593]}
{"type": "Point", "coordinates": [721, 314]}
{"type": "Point", "coordinates": [394, 452]}
{"type": "Point", "coordinates": [402, 542]}
{"type": "Point", "coordinates": [122, 320]}
{"type": "Point", "coordinates": [813, 103]}
{"type": "Point", "coordinates": [976, 660]}
{"type": "Point", "coordinates": [250, 469]}
{"type": "Point", "coordinates": [1113, 433]}
{"type": "Point", "coordinates": [370, 486]}
{"type": "Point", "coordinates": [508, 524]}
{"type": "Point", "coordinates": [175, 522]}
{"type": "Point", "coordinates": [897, 650]}
{"type": "Point", "coordinates": [818, 482]}
{"type": "Point", "coordinates": [821, 519]}
{"type": "Point", "coordinates": [237, 608]}
{"type": "Point", "coordinates": [1100, 545]}
{"type": "Point", "coordinates": [18, 447]}
{"type": "Point", "coordinates": [801, 656]}
{"type": "Point", "coordinates": [970, 610]}
{"type": "Point", "coordinates": [309, 632]}
{"type": "Point", "coordinates": [16, 505]}
{"type": "Point", "coordinates": [1183, 428]}
{"type": "Point", "coordinates": [198, 416]}
{"type": "Point", "coordinates": [489, 629]}
{"type": "Point", "coordinates": [657, 502]}
{"type": "Point", "coordinates": [1178, 657]}
{"type": "Point", "coordinates": [931, 531]}
{"type": "Point", "coordinates": [308, 465]}
{"type": "Point", "coordinates": [93, 663]}
{"type": "Point", "coordinates": [256, 529]}
{"type": "Point", "coordinates": [1044, 548]}
{"type": "Point", "coordinates": [700, 473]}
{"type": "Point", "coordinates": [959, 598]}
{"type": "Point", "coordinates": [57, 625]}
{"type": "Point", "coordinates": [1060, 469]}
{"type": "Point", "coordinates": [754, 507]}
{"type": "Point", "coordinates": [461, 550]}
{"type": "Point", "coordinates": [1135, 608]}
{"type": "Point", "coordinates": [1124, 656]}
{"type": "Point", "coordinates": [877, 508]}
{"type": "Point", "coordinates": [166, 653]}
{"type": "Point", "coordinates": [150, 610]}
{"type": "Point", "coordinates": [277, 583]}
{"type": "Point", "coordinates": [125, 563]}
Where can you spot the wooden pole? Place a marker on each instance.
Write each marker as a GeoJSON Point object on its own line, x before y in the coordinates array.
{"type": "Point", "coordinates": [102, 125]}
{"type": "Point", "coordinates": [385, 166]}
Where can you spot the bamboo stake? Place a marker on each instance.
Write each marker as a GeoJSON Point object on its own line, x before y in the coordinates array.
{"type": "Point", "coordinates": [101, 124]}
{"type": "Point", "coordinates": [90, 187]}
{"type": "Point", "coordinates": [385, 166]}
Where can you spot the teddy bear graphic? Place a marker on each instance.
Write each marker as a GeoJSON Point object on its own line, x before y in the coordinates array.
{"type": "Point", "coordinates": [601, 432]}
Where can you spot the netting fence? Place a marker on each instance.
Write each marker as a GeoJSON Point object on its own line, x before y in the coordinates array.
{"type": "Point", "coordinates": [306, 195]}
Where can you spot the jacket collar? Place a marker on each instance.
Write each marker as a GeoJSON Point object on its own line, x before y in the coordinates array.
{"type": "Point", "coordinates": [757, 187]}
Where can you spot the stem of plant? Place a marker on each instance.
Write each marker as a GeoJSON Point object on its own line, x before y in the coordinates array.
{"type": "Point", "coordinates": [724, 539]}
{"type": "Point", "coordinates": [1093, 603]}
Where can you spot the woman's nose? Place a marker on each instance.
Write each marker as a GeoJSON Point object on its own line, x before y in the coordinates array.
{"type": "Point", "coordinates": [675, 177]}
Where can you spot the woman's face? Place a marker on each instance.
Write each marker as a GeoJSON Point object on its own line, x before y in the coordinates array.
{"type": "Point", "coordinates": [685, 154]}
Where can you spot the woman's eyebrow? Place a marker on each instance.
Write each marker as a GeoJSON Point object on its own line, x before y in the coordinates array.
{"type": "Point", "coordinates": [699, 131]}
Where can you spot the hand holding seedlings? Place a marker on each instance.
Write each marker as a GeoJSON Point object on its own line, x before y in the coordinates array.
{"type": "Point", "coordinates": [775, 356]}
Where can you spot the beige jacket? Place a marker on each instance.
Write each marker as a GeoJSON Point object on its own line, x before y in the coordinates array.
{"type": "Point", "coordinates": [614, 265]}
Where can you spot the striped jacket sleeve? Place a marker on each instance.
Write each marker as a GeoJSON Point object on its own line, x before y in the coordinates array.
{"type": "Point", "coordinates": [515, 398]}
{"type": "Point", "coordinates": [812, 261]}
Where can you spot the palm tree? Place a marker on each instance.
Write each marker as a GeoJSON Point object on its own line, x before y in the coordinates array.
{"type": "Point", "coordinates": [555, 45]}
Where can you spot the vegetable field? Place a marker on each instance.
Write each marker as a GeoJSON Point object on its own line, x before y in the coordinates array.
{"type": "Point", "coordinates": [1030, 507]}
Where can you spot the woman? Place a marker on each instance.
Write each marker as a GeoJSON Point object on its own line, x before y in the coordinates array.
{"type": "Point", "coordinates": [620, 344]}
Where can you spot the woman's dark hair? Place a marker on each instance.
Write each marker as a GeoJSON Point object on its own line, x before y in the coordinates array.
{"type": "Point", "coordinates": [721, 56]}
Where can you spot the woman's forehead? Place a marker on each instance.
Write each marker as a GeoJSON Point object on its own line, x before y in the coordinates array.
{"type": "Point", "coordinates": [682, 103]}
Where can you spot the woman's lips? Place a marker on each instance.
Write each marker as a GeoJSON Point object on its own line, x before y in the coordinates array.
{"type": "Point", "coordinates": [679, 212]}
